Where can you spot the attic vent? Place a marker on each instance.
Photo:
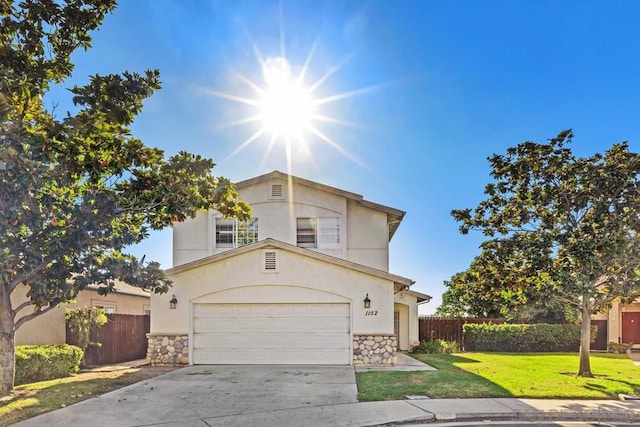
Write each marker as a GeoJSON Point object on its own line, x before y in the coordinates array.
{"type": "Point", "coordinates": [270, 259]}
{"type": "Point", "coordinates": [276, 191]}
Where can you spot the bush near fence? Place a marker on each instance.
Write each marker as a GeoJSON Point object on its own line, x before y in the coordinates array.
{"type": "Point", "coordinates": [46, 362]}
{"type": "Point", "coordinates": [449, 329]}
{"type": "Point", "coordinates": [521, 337]}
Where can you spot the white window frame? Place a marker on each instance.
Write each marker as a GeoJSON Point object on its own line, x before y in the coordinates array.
{"type": "Point", "coordinates": [326, 232]}
{"type": "Point", "coordinates": [241, 232]}
{"type": "Point", "coordinates": [107, 307]}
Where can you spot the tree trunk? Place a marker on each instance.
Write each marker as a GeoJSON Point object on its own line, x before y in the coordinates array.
{"type": "Point", "coordinates": [7, 336]}
{"type": "Point", "coordinates": [585, 340]}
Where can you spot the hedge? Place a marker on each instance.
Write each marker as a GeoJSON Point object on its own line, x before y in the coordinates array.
{"type": "Point", "coordinates": [521, 337]}
{"type": "Point", "coordinates": [45, 362]}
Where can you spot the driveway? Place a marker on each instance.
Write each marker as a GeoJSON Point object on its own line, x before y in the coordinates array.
{"type": "Point", "coordinates": [210, 395]}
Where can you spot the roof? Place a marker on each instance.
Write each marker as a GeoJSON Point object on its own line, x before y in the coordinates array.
{"type": "Point", "coordinates": [121, 287]}
{"type": "Point", "coordinates": [394, 216]}
{"type": "Point", "coordinates": [422, 298]}
{"type": "Point", "coordinates": [398, 281]}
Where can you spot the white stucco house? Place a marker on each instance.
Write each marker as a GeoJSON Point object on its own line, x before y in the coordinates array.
{"type": "Point", "coordinates": [305, 281]}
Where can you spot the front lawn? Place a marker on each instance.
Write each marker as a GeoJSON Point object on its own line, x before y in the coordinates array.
{"type": "Point", "coordinates": [534, 375]}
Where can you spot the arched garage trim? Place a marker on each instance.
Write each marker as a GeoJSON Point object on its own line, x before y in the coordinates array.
{"type": "Point", "coordinates": [270, 294]}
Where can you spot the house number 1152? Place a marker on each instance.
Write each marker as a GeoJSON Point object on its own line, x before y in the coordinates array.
{"type": "Point", "coordinates": [371, 313]}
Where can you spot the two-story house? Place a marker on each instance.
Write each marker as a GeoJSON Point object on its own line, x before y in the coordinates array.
{"type": "Point", "coordinates": [304, 281]}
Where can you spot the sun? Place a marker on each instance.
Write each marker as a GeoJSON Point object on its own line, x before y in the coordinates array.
{"type": "Point", "coordinates": [286, 107]}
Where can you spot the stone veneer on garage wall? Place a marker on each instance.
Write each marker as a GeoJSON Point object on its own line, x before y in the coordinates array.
{"type": "Point", "coordinates": [168, 349]}
{"type": "Point", "coordinates": [367, 349]}
{"type": "Point", "coordinates": [374, 349]}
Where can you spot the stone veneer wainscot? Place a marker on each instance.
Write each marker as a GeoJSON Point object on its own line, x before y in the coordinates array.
{"type": "Point", "coordinates": [374, 349]}
{"type": "Point", "coordinates": [166, 349]}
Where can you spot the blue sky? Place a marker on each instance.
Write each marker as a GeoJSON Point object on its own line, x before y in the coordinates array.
{"type": "Point", "coordinates": [437, 87]}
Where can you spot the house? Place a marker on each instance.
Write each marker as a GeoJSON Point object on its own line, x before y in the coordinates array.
{"type": "Point", "coordinates": [305, 281]}
{"type": "Point", "coordinates": [620, 324]}
{"type": "Point", "coordinates": [50, 328]}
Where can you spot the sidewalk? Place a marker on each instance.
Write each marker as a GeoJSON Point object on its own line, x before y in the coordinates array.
{"type": "Point", "coordinates": [418, 412]}
{"type": "Point", "coordinates": [502, 409]}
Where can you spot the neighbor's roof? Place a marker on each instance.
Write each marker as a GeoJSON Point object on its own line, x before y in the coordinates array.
{"type": "Point", "coordinates": [394, 216]}
{"type": "Point", "coordinates": [123, 288]}
{"type": "Point", "coordinates": [398, 281]}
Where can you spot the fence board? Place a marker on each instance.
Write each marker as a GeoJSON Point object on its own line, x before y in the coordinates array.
{"type": "Point", "coordinates": [447, 328]}
{"type": "Point", "coordinates": [123, 338]}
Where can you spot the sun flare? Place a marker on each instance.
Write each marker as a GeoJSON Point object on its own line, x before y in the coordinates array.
{"type": "Point", "coordinates": [286, 107]}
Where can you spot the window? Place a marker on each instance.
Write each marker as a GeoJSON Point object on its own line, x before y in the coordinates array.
{"type": "Point", "coordinates": [108, 309]}
{"type": "Point", "coordinates": [321, 233]}
{"type": "Point", "coordinates": [306, 232]}
{"type": "Point", "coordinates": [233, 233]}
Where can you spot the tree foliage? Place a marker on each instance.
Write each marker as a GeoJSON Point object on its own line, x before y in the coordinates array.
{"type": "Point", "coordinates": [563, 226]}
{"type": "Point", "coordinates": [83, 322]}
{"type": "Point", "coordinates": [76, 190]}
{"type": "Point", "coordinates": [481, 291]}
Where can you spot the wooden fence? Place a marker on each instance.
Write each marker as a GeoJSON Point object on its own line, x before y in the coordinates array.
{"type": "Point", "coordinates": [447, 328]}
{"type": "Point", "coordinates": [123, 338]}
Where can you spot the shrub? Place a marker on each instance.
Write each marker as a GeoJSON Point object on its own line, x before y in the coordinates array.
{"type": "Point", "coordinates": [45, 362]}
{"type": "Point", "coordinates": [521, 338]}
{"type": "Point", "coordinates": [437, 346]}
{"type": "Point", "coordinates": [615, 347]}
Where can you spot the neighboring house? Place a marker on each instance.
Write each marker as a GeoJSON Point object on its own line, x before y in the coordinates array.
{"type": "Point", "coordinates": [50, 328]}
{"type": "Point", "coordinates": [304, 281]}
{"type": "Point", "coordinates": [620, 324]}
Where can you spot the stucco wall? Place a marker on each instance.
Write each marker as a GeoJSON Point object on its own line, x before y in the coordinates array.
{"type": "Point", "coordinates": [296, 275]}
{"type": "Point", "coordinates": [367, 236]}
{"type": "Point", "coordinates": [364, 231]}
{"type": "Point", "coordinates": [49, 328]}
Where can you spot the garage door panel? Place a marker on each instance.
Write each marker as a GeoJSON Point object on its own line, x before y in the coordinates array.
{"type": "Point", "coordinates": [231, 357]}
{"type": "Point", "coordinates": [271, 334]}
{"type": "Point", "coordinates": [272, 326]}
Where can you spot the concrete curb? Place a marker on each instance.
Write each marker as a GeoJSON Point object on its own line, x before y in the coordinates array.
{"type": "Point", "coordinates": [477, 410]}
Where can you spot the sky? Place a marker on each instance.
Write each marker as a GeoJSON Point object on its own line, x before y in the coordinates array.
{"type": "Point", "coordinates": [415, 95]}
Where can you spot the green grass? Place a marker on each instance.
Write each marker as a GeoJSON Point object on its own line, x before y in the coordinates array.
{"type": "Point", "coordinates": [534, 375]}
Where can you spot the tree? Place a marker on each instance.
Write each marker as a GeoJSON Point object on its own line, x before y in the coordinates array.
{"type": "Point", "coordinates": [481, 291]}
{"type": "Point", "coordinates": [564, 226]}
{"type": "Point", "coordinates": [83, 322]}
{"type": "Point", "coordinates": [76, 191]}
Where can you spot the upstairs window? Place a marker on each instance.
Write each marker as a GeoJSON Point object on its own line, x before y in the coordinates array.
{"type": "Point", "coordinates": [234, 233]}
{"type": "Point", "coordinates": [321, 233]}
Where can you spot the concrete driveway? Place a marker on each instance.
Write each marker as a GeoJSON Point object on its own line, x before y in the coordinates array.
{"type": "Point", "coordinates": [210, 395]}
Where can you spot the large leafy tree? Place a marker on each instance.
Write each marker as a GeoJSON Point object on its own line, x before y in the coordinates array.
{"type": "Point", "coordinates": [482, 291]}
{"type": "Point", "coordinates": [76, 191]}
{"type": "Point", "coordinates": [563, 225]}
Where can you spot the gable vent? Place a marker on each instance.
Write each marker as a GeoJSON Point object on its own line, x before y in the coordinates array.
{"type": "Point", "coordinates": [270, 259]}
{"type": "Point", "coordinates": [277, 191]}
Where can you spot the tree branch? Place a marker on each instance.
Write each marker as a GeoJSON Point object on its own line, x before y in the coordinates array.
{"type": "Point", "coordinates": [21, 306]}
{"type": "Point", "coordinates": [33, 315]}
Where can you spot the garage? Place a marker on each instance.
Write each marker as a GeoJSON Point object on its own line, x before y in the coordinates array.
{"type": "Point", "coordinates": [271, 333]}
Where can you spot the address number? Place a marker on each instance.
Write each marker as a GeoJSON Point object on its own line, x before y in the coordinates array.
{"type": "Point", "coordinates": [371, 313]}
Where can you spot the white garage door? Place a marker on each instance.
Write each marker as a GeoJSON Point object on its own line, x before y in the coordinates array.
{"type": "Point", "coordinates": [271, 334]}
